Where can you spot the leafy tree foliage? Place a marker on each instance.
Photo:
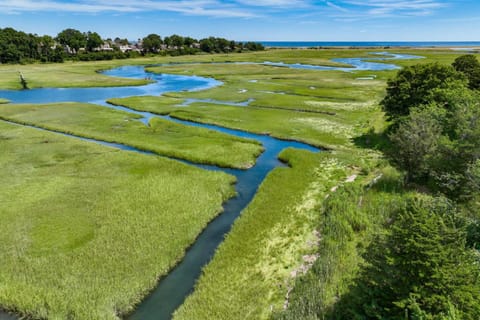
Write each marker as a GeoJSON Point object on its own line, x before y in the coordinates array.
{"type": "Point", "coordinates": [176, 40]}
{"type": "Point", "coordinates": [416, 141]}
{"type": "Point", "coordinates": [416, 85]}
{"type": "Point", "coordinates": [440, 144]}
{"type": "Point", "coordinates": [152, 43]}
{"type": "Point", "coordinates": [122, 42]}
{"type": "Point", "coordinates": [72, 38]}
{"type": "Point", "coordinates": [254, 46]}
{"type": "Point", "coordinates": [469, 65]}
{"type": "Point", "coordinates": [420, 270]}
{"type": "Point", "coordinates": [218, 45]}
{"type": "Point", "coordinates": [93, 41]}
{"type": "Point", "coordinates": [19, 47]}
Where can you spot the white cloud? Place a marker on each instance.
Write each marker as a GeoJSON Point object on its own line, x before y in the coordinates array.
{"type": "Point", "coordinates": [196, 7]}
{"type": "Point", "coordinates": [335, 6]}
{"type": "Point", "coordinates": [397, 7]}
{"type": "Point", "coordinates": [275, 3]}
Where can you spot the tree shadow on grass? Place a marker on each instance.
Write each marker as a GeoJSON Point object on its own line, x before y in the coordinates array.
{"type": "Point", "coordinates": [374, 140]}
{"type": "Point", "coordinates": [391, 181]}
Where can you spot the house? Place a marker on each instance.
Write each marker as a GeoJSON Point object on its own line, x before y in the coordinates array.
{"type": "Point", "coordinates": [104, 47]}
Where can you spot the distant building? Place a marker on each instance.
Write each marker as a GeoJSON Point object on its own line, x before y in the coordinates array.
{"type": "Point", "coordinates": [104, 47]}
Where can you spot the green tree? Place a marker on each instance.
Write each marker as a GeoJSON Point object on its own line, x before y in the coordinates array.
{"type": "Point", "coordinates": [73, 39]}
{"type": "Point", "coordinates": [454, 169]}
{"type": "Point", "coordinates": [420, 270]}
{"type": "Point", "coordinates": [46, 47]}
{"type": "Point", "coordinates": [176, 41]}
{"type": "Point", "coordinates": [207, 45]}
{"type": "Point", "coordinates": [121, 42]}
{"type": "Point", "coordinates": [416, 85]}
{"type": "Point", "coordinates": [152, 43]}
{"type": "Point", "coordinates": [470, 67]}
{"type": "Point", "coordinates": [415, 142]}
{"type": "Point", "coordinates": [93, 41]}
{"type": "Point", "coordinates": [439, 145]}
{"type": "Point", "coordinates": [188, 41]}
{"type": "Point", "coordinates": [17, 46]}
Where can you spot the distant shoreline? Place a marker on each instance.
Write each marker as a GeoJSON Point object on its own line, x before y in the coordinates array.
{"type": "Point", "coordinates": [467, 45]}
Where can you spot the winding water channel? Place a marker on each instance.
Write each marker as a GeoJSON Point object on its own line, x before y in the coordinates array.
{"type": "Point", "coordinates": [174, 288]}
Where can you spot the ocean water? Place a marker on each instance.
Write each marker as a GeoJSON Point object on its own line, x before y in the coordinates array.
{"type": "Point", "coordinates": [307, 44]}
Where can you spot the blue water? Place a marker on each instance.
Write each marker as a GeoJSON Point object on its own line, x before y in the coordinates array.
{"type": "Point", "coordinates": [357, 64]}
{"type": "Point", "coordinates": [173, 289]}
{"type": "Point", "coordinates": [163, 83]}
{"type": "Point", "coordinates": [308, 44]}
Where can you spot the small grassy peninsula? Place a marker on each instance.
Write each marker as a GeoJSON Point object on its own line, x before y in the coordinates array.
{"type": "Point", "coordinates": [160, 136]}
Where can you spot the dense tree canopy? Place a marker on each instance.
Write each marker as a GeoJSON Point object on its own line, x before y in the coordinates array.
{"type": "Point", "coordinates": [417, 85]}
{"type": "Point", "coordinates": [93, 41]}
{"type": "Point", "coordinates": [469, 65]}
{"type": "Point", "coordinates": [152, 43]}
{"type": "Point", "coordinates": [73, 39]}
{"type": "Point", "coordinates": [20, 47]}
{"type": "Point", "coordinates": [420, 270]}
{"type": "Point", "coordinates": [439, 143]}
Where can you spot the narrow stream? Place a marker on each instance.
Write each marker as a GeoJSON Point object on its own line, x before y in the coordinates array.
{"type": "Point", "coordinates": [179, 283]}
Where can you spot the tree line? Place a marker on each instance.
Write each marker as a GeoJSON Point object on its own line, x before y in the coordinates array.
{"type": "Point", "coordinates": [20, 47]}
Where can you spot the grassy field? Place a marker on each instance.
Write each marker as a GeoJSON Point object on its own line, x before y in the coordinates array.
{"type": "Point", "coordinates": [271, 243]}
{"type": "Point", "coordinates": [335, 106]}
{"type": "Point", "coordinates": [161, 136]}
{"type": "Point", "coordinates": [313, 128]}
{"type": "Point", "coordinates": [87, 230]}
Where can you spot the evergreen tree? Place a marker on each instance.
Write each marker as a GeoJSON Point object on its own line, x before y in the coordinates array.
{"type": "Point", "coordinates": [420, 270]}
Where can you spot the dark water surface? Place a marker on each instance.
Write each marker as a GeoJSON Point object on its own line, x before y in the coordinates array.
{"type": "Point", "coordinates": [174, 288]}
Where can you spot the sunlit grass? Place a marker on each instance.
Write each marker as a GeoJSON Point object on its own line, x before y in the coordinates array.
{"type": "Point", "coordinates": [249, 275]}
{"type": "Point", "coordinates": [87, 230]}
{"type": "Point", "coordinates": [161, 136]}
{"type": "Point", "coordinates": [328, 131]}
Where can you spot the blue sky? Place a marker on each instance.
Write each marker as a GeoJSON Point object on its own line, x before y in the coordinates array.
{"type": "Point", "coordinates": [274, 20]}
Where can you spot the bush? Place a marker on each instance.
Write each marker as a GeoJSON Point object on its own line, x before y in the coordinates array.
{"type": "Point", "coordinates": [416, 85]}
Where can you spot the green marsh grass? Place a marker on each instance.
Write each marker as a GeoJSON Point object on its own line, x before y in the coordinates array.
{"type": "Point", "coordinates": [248, 275]}
{"type": "Point", "coordinates": [313, 128]}
{"type": "Point", "coordinates": [88, 230]}
{"type": "Point", "coordinates": [85, 74]}
{"type": "Point", "coordinates": [57, 183]}
{"type": "Point", "coordinates": [161, 136]}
